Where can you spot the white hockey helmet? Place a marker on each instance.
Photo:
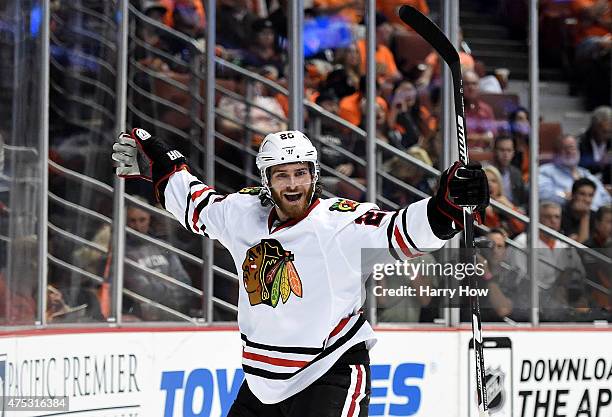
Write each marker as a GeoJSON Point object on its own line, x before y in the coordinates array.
{"type": "Point", "coordinates": [286, 147]}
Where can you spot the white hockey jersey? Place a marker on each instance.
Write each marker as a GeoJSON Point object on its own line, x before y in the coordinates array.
{"type": "Point", "coordinates": [302, 285]}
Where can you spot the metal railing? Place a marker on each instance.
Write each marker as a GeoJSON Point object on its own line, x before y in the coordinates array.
{"type": "Point", "coordinates": [146, 107]}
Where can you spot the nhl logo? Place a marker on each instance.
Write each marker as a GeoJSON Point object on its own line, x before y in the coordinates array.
{"type": "Point", "coordinates": [496, 395]}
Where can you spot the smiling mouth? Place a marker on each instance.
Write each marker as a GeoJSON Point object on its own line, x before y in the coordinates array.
{"type": "Point", "coordinates": [293, 197]}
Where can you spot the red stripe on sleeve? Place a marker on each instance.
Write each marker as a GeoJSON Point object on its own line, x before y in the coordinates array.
{"type": "Point", "coordinates": [199, 193]}
{"type": "Point", "coordinates": [401, 242]}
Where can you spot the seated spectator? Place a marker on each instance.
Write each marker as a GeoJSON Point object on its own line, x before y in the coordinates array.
{"type": "Point", "coordinates": [519, 128]}
{"type": "Point", "coordinates": [341, 83]}
{"type": "Point", "coordinates": [315, 74]}
{"type": "Point", "coordinates": [597, 270]}
{"type": "Point", "coordinates": [431, 76]}
{"type": "Point", "coordinates": [193, 10]}
{"type": "Point", "coordinates": [593, 48]}
{"type": "Point", "coordinates": [59, 311]}
{"type": "Point", "coordinates": [382, 127]}
{"type": "Point", "coordinates": [262, 50]}
{"type": "Point", "coordinates": [508, 295]}
{"type": "Point", "coordinates": [480, 119]}
{"type": "Point", "coordinates": [595, 144]}
{"type": "Point", "coordinates": [234, 22]}
{"type": "Point", "coordinates": [576, 220]}
{"type": "Point", "coordinates": [498, 218]}
{"type": "Point", "coordinates": [350, 106]}
{"type": "Point", "coordinates": [265, 115]}
{"type": "Point", "coordinates": [513, 186]}
{"type": "Point", "coordinates": [147, 255]}
{"type": "Point", "coordinates": [153, 257]}
{"type": "Point", "coordinates": [409, 174]}
{"type": "Point", "coordinates": [560, 270]}
{"type": "Point", "coordinates": [556, 178]}
{"type": "Point", "coordinates": [409, 309]}
{"type": "Point", "coordinates": [350, 59]}
{"type": "Point", "coordinates": [332, 141]}
{"type": "Point", "coordinates": [187, 18]}
{"type": "Point", "coordinates": [386, 68]}
{"type": "Point", "coordinates": [495, 83]}
{"type": "Point", "coordinates": [413, 123]}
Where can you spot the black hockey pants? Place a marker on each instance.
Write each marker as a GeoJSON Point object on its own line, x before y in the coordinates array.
{"type": "Point", "coordinates": [343, 391]}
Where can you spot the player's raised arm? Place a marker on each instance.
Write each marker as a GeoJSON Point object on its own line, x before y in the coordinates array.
{"type": "Point", "coordinates": [426, 224]}
{"type": "Point", "coordinates": [176, 189]}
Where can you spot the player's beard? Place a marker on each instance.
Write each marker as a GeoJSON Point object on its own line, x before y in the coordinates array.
{"type": "Point", "coordinates": [293, 210]}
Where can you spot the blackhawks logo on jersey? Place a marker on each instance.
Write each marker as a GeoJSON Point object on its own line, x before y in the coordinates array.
{"type": "Point", "coordinates": [250, 190]}
{"type": "Point", "coordinates": [344, 205]}
{"type": "Point", "coordinates": [269, 275]}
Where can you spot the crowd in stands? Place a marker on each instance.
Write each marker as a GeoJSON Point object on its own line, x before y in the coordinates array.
{"type": "Point", "coordinates": [574, 182]}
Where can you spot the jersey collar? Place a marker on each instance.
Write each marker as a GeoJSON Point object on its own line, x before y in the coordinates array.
{"type": "Point", "coordinates": [272, 217]}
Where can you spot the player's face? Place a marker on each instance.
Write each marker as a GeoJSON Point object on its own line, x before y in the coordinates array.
{"type": "Point", "coordinates": [291, 186]}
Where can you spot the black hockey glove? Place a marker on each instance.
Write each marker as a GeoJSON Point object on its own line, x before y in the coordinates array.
{"type": "Point", "coordinates": [156, 162]}
{"type": "Point", "coordinates": [460, 186]}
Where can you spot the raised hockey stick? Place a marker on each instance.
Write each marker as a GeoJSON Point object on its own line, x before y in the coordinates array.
{"type": "Point", "coordinates": [436, 38]}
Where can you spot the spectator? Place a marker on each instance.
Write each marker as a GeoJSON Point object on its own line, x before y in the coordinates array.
{"type": "Point", "coordinates": [386, 68]}
{"type": "Point", "coordinates": [495, 83]}
{"type": "Point", "coordinates": [262, 51]}
{"type": "Point", "coordinates": [560, 270]}
{"type": "Point", "coordinates": [332, 141]}
{"type": "Point", "coordinates": [315, 74]}
{"type": "Point", "coordinates": [495, 217]}
{"type": "Point", "coordinates": [234, 22]}
{"type": "Point", "coordinates": [341, 83]}
{"type": "Point", "coordinates": [382, 128]}
{"type": "Point", "coordinates": [413, 123]}
{"type": "Point", "coordinates": [598, 270]}
{"type": "Point", "coordinates": [520, 129]}
{"type": "Point", "coordinates": [409, 174]}
{"type": "Point", "coordinates": [513, 186]}
{"type": "Point", "coordinates": [602, 229]}
{"type": "Point", "coordinates": [506, 296]}
{"type": "Point", "coordinates": [556, 178]}
{"type": "Point", "coordinates": [595, 144]}
{"type": "Point", "coordinates": [350, 106]}
{"type": "Point", "coordinates": [479, 115]}
{"type": "Point", "coordinates": [194, 7]}
{"type": "Point", "coordinates": [155, 9]}
{"type": "Point", "coordinates": [187, 19]}
{"type": "Point", "coordinates": [58, 310]}
{"type": "Point", "coordinates": [432, 73]}
{"type": "Point", "coordinates": [153, 257]}
{"type": "Point", "coordinates": [264, 115]}
{"type": "Point", "coordinates": [593, 47]}
{"type": "Point", "coordinates": [408, 309]}
{"type": "Point", "coordinates": [389, 9]}
{"type": "Point", "coordinates": [350, 59]}
{"type": "Point", "coordinates": [576, 220]}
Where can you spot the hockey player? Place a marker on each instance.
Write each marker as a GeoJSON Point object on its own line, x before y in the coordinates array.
{"type": "Point", "coordinates": [305, 343]}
